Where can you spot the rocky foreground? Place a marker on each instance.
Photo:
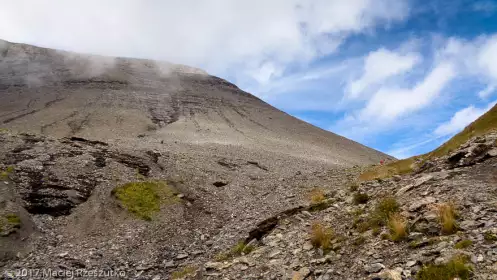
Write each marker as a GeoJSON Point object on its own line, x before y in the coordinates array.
{"type": "Point", "coordinates": [465, 180]}
{"type": "Point", "coordinates": [59, 209]}
{"type": "Point", "coordinates": [59, 212]}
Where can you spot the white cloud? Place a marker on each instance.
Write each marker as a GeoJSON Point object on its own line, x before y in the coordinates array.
{"type": "Point", "coordinates": [407, 148]}
{"type": "Point", "coordinates": [473, 58]}
{"type": "Point", "coordinates": [256, 38]}
{"type": "Point", "coordinates": [487, 58]}
{"type": "Point", "coordinates": [390, 103]}
{"type": "Point", "coordinates": [461, 119]}
{"type": "Point", "coordinates": [381, 65]}
{"type": "Point", "coordinates": [486, 92]}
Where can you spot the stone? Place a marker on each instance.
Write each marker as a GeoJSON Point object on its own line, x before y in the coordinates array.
{"type": "Point", "coordinates": [274, 253]}
{"type": "Point", "coordinates": [467, 224]}
{"type": "Point", "coordinates": [243, 267]}
{"type": "Point", "coordinates": [374, 268]}
{"type": "Point", "coordinates": [391, 275]}
{"type": "Point", "coordinates": [169, 264]}
{"type": "Point", "coordinates": [213, 266]}
{"type": "Point", "coordinates": [421, 203]}
{"type": "Point", "coordinates": [304, 272]}
{"type": "Point", "coordinates": [422, 180]}
{"type": "Point", "coordinates": [404, 189]}
{"type": "Point", "coordinates": [411, 263]}
{"type": "Point", "coordinates": [182, 256]}
{"type": "Point", "coordinates": [306, 213]}
{"type": "Point", "coordinates": [492, 152]}
{"type": "Point", "coordinates": [308, 246]}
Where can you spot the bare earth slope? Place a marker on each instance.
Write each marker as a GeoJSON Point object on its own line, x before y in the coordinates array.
{"type": "Point", "coordinates": [74, 128]}
{"type": "Point", "coordinates": [117, 99]}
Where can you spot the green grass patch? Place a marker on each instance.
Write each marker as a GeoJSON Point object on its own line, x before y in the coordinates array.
{"type": "Point", "coordinates": [379, 217]}
{"type": "Point", "coordinates": [359, 240]}
{"type": "Point", "coordinates": [416, 244]}
{"type": "Point", "coordinates": [319, 206]}
{"type": "Point", "coordinates": [360, 198]}
{"type": "Point", "coordinates": [145, 198]}
{"type": "Point", "coordinates": [13, 219]}
{"type": "Point", "coordinates": [9, 222]}
{"type": "Point", "coordinates": [4, 174]}
{"type": "Point", "coordinates": [398, 167]}
{"type": "Point", "coordinates": [240, 248]}
{"type": "Point", "coordinates": [483, 125]}
{"type": "Point", "coordinates": [353, 187]}
{"type": "Point", "coordinates": [397, 226]}
{"type": "Point", "coordinates": [489, 236]}
{"type": "Point", "coordinates": [321, 236]}
{"type": "Point", "coordinates": [463, 244]}
{"type": "Point", "coordinates": [457, 267]}
{"type": "Point", "coordinates": [187, 270]}
{"type": "Point", "coordinates": [383, 210]}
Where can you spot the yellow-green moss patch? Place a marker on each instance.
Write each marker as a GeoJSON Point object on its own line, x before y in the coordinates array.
{"type": "Point", "coordinates": [463, 244]}
{"type": "Point", "coordinates": [4, 174]}
{"type": "Point", "coordinates": [9, 223]}
{"type": "Point", "coordinates": [187, 270]}
{"type": "Point", "coordinates": [145, 198]}
{"type": "Point", "coordinates": [457, 267]}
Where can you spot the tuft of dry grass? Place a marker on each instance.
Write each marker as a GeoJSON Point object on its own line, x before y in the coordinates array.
{"type": "Point", "coordinates": [182, 273]}
{"type": "Point", "coordinates": [447, 216]}
{"type": "Point", "coordinates": [456, 268]}
{"type": "Point", "coordinates": [353, 187]}
{"type": "Point", "coordinates": [321, 236]}
{"type": "Point", "coordinates": [398, 227]}
{"type": "Point", "coordinates": [360, 198]}
{"type": "Point", "coordinates": [403, 166]}
{"type": "Point", "coordinates": [463, 244]}
{"type": "Point", "coordinates": [296, 276]}
{"type": "Point", "coordinates": [317, 195]}
{"type": "Point", "coordinates": [383, 210]}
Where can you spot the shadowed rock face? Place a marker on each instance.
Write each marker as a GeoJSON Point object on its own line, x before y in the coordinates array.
{"type": "Point", "coordinates": [142, 102]}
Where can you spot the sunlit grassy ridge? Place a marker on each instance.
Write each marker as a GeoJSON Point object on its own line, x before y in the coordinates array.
{"type": "Point", "coordinates": [482, 126]}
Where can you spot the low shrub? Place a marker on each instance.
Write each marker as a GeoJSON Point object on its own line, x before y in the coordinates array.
{"type": "Point", "coordinates": [398, 227]}
{"type": "Point", "coordinates": [187, 270]}
{"type": "Point", "coordinates": [360, 198]}
{"type": "Point", "coordinates": [463, 244]}
{"type": "Point", "coordinates": [457, 267]}
{"type": "Point", "coordinates": [383, 210]}
{"type": "Point", "coordinates": [321, 236]}
{"type": "Point", "coordinates": [447, 216]}
{"type": "Point", "coordinates": [144, 199]}
{"type": "Point", "coordinates": [317, 195]}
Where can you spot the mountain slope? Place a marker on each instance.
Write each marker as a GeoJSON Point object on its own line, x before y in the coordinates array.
{"type": "Point", "coordinates": [482, 126]}
{"type": "Point", "coordinates": [120, 100]}
{"type": "Point", "coordinates": [144, 166]}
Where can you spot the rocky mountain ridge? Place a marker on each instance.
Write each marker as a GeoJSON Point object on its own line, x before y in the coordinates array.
{"type": "Point", "coordinates": [467, 178]}
{"type": "Point", "coordinates": [153, 105]}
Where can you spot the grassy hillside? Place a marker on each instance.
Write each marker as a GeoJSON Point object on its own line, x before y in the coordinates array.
{"type": "Point", "coordinates": [481, 126]}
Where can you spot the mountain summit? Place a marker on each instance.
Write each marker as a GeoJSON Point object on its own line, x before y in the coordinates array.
{"type": "Point", "coordinates": [147, 168]}
{"type": "Point", "coordinates": [143, 102]}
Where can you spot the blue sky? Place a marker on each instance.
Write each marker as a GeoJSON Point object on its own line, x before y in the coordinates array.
{"type": "Point", "coordinates": [401, 76]}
